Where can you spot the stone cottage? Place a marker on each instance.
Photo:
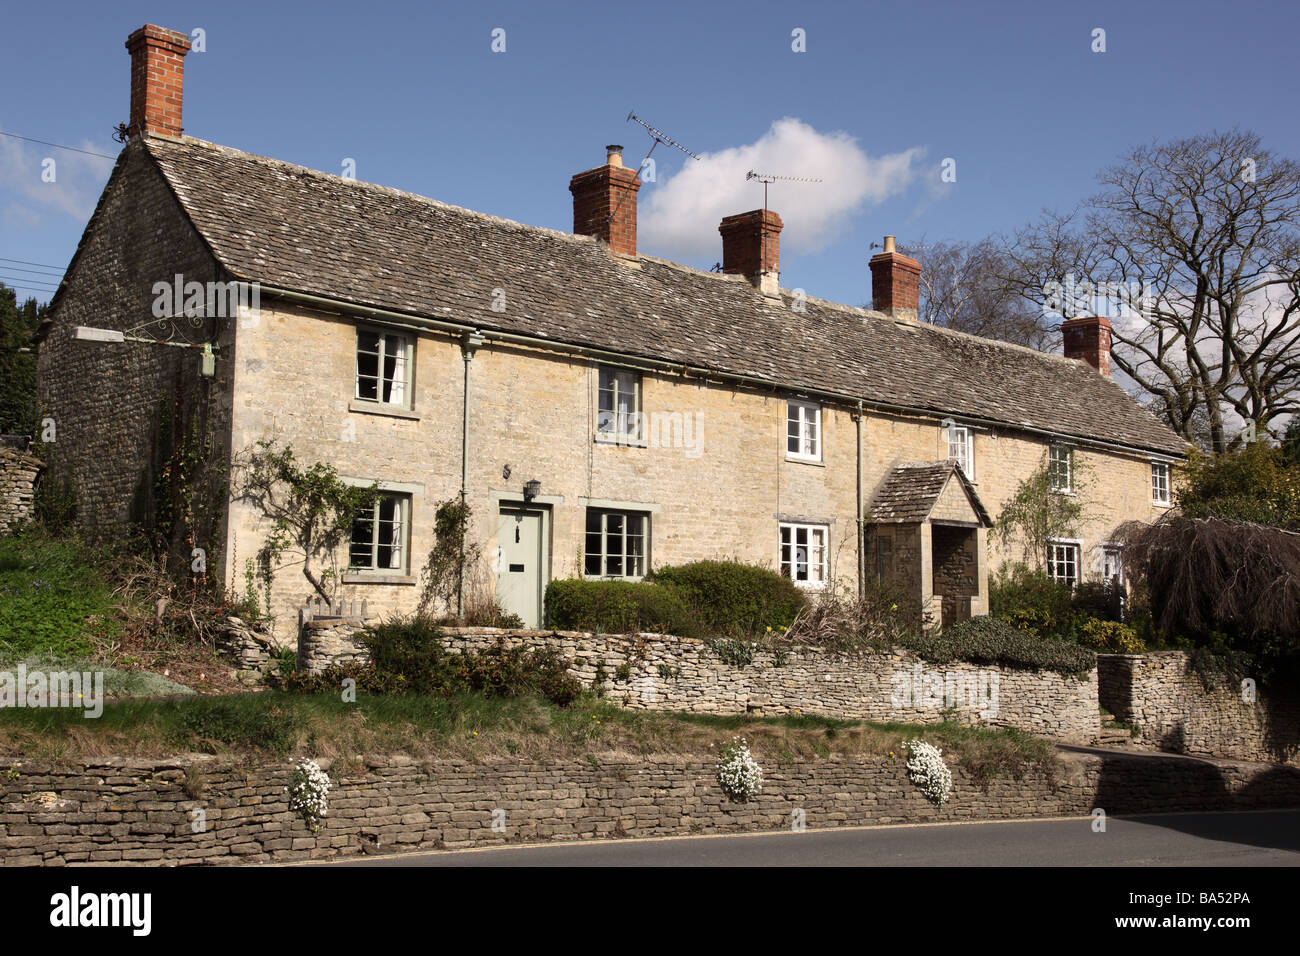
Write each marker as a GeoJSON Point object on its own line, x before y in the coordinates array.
{"type": "Point", "coordinates": [602, 411]}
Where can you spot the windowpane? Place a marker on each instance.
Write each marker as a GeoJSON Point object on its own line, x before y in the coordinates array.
{"type": "Point", "coordinates": [383, 367]}
{"type": "Point", "coordinates": [802, 552]}
{"type": "Point", "coordinates": [615, 544]}
{"type": "Point", "coordinates": [803, 425]}
{"type": "Point", "coordinates": [379, 536]}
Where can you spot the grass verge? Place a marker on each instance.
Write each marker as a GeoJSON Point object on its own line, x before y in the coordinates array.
{"type": "Point", "coordinates": [478, 727]}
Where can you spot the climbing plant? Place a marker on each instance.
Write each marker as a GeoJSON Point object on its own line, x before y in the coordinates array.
{"type": "Point", "coordinates": [1037, 513]}
{"type": "Point", "coordinates": [310, 509]}
{"type": "Point", "coordinates": [450, 558]}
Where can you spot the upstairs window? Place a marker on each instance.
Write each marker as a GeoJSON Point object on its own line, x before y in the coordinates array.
{"type": "Point", "coordinates": [1160, 482]}
{"type": "Point", "coordinates": [379, 536]}
{"type": "Point", "coordinates": [803, 554]}
{"type": "Point", "coordinates": [803, 432]}
{"type": "Point", "coordinates": [961, 449]}
{"type": "Point", "coordinates": [1059, 467]}
{"type": "Point", "coordinates": [616, 544]}
{"type": "Point", "coordinates": [384, 367]}
{"type": "Point", "coordinates": [619, 409]}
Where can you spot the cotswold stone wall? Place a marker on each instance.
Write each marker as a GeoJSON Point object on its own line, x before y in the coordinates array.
{"type": "Point", "coordinates": [246, 645]}
{"type": "Point", "coordinates": [662, 672]}
{"type": "Point", "coordinates": [141, 810]}
{"type": "Point", "coordinates": [1170, 705]}
{"type": "Point", "coordinates": [18, 473]}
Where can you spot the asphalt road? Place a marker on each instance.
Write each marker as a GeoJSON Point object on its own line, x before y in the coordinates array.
{"type": "Point", "coordinates": [1266, 838]}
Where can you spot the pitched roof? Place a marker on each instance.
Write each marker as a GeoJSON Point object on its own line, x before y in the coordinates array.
{"type": "Point", "coordinates": [297, 229]}
{"type": "Point", "coordinates": [909, 492]}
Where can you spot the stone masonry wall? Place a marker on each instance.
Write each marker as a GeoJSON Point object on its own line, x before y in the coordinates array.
{"type": "Point", "coordinates": [18, 473]}
{"type": "Point", "coordinates": [1169, 704]}
{"type": "Point", "coordinates": [662, 672]}
{"type": "Point", "coordinates": [202, 811]}
{"type": "Point", "coordinates": [532, 416]}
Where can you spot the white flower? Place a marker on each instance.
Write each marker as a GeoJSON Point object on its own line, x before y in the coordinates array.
{"type": "Point", "coordinates": [308, 790]}
{"type": "Point", "coordinates": [927, 770]}
{"type": "Point", "coordinates": [739, 774]}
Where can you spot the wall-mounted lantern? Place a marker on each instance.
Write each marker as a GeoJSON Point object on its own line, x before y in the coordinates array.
{"type": "Point", "coordinates": [532, 489]}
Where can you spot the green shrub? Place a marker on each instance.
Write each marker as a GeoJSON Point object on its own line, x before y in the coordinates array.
{"type": "Point", "coordinates": [730, 599]}
{"type": "Point", "coordinates": [988, 640]}
{"type": "Point", "coordinates": [1110, 636]}
{"type": "Point", "coordinates": [616, 607]}
{"type": "Point", "coordinates": [407, 656]}
{"type": "Point", "coordinates": [1031, 600]}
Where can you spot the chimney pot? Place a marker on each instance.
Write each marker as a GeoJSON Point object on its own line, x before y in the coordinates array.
{"type": "Point", "coordinates": [1088, 339]}
{"type": "Point", "coordinates": [614, 155]}
{"type": "Point", "coordinates": [895, 283]}
{"type": "Point", "coordinates": [157, 80]}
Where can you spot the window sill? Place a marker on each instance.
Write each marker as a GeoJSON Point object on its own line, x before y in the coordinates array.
{"type": "Point", "coordinates": [1162, 504]}
{"type": "Point", "coordinates": [617, 442]}
{"type": "Point", "coordinates": [366, 577]}
{"type": "Point", "coordinates": [795, 459]}
{"type": "Point", "coordinates": [379, 408]}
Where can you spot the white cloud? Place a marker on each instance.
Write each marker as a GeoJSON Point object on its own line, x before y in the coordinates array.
{"type": "Point", "coordinates": [78, 180]}
{"type": "Point", "coordinates": [679, 217]}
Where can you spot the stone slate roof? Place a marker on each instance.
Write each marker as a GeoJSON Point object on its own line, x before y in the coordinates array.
{"type": "Point", "coordinates": [909, 492]}
{"type": "Point", "coordinates": [305, 231]}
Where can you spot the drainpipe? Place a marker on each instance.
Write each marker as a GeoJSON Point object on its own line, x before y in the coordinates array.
{"type": "Point", "coordinates": [469, 343]}
{"type": "Point", "coordinates": [862, 531]}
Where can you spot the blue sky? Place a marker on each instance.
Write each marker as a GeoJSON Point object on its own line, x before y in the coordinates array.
{"type": "Point", "coordinates": [883, 94]}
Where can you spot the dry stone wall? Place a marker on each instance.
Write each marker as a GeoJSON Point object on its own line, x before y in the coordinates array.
{"type": "Point", "coordinates": [663, 672]}
{"type": "Point", "coordinates": [1170, 705]}
{"type": "Point", "coordinates": [18, 474]}
{"type": "Point", "coordinates": [184, 812]}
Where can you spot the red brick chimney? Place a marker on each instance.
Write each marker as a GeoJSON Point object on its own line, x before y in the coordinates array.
{"type": "Point", "coordinates": [604, 203]}
{"type": "Point", "coordinates": [157, 80]}
{"type": "Point", "coordinates": [1088, 339]}
{"type": "Point", "coordinates": [895, 282]}
{"type": "Point", "coordinates": [751, 247]}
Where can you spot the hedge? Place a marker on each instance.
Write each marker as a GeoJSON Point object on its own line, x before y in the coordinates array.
{"type": "Point", "coordinates": [616, 607]}
{"type": "Point", "coordinates": [988, 640]}
{"type": "Point", "coordinates": [730, 599]}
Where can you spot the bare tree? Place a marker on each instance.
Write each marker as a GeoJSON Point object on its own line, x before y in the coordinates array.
{"type": "Point", "coordinates": [1206, 232]}
{"type": "Point", "coordinates": [962, 288]}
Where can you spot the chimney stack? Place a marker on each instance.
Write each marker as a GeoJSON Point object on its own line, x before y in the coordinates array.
{"type": "Point", "coordinates": [895, 283]}
{"type": "Point", "coordinates": [157, 80]}
{"type": "Point", "coordinates": [1088, 339]}
{"type": "Point", "coordinates": [751, 247]}
{"type": "Point", "coordinates": [604, 203]}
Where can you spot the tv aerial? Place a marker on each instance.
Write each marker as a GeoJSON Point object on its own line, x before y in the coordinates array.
{"type": "Point", "coordinates": [768, 178]}
{"type": "Point", "coordinates": [660, 138]}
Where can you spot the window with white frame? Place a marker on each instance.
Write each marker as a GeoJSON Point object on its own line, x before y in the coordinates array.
{"type": "Point", "coordinates": [379, 535]}
{"type": "Point", "coordinates": [803, 553]}
{"type": "Point", "coordinates": [384, 367]}
{"type": "Point", "coordinates": [618, 416]}
{"type": "Point", "coordinates": [1160, 482]}
{"type": "Point", "coordinates": [616, 544]}
{"type": "Point", "coordinates": [1059, 467]}
{"type": "Point", "coordinates": [803, 431]}
{"type": "Point", "coordinates": [1063, 561]}
{"type": "Point", "coordinates": [961, 448]}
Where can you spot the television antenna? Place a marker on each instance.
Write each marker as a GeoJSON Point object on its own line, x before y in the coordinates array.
{"type": "Point", "coordinates": [660, 138]}
{"type": "Point", "coordinates": [768, 178]}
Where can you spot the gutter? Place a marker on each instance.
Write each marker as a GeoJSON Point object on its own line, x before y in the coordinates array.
{"type": "Point", "coordinates": [408, 321]}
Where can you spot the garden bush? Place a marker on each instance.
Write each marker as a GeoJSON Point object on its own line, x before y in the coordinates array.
{"type": "Point", "coordinates": [408, 656]}
{"type": "Point", "coordinates": [988, 640]}
{"type": "Point", "coordinates": [617, 607]}
{"type": "Point", "coordinates": [731, 599]}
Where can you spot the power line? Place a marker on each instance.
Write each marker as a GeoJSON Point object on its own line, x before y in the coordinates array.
{"type": "Point", "coordinates": [35, 272]}
{"type": "Point", "coordinates": [44, 265]}
{"type": "Point", "coordinates": [74, 149]}
{"type": "Point", "coordinates": [31, 283]}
